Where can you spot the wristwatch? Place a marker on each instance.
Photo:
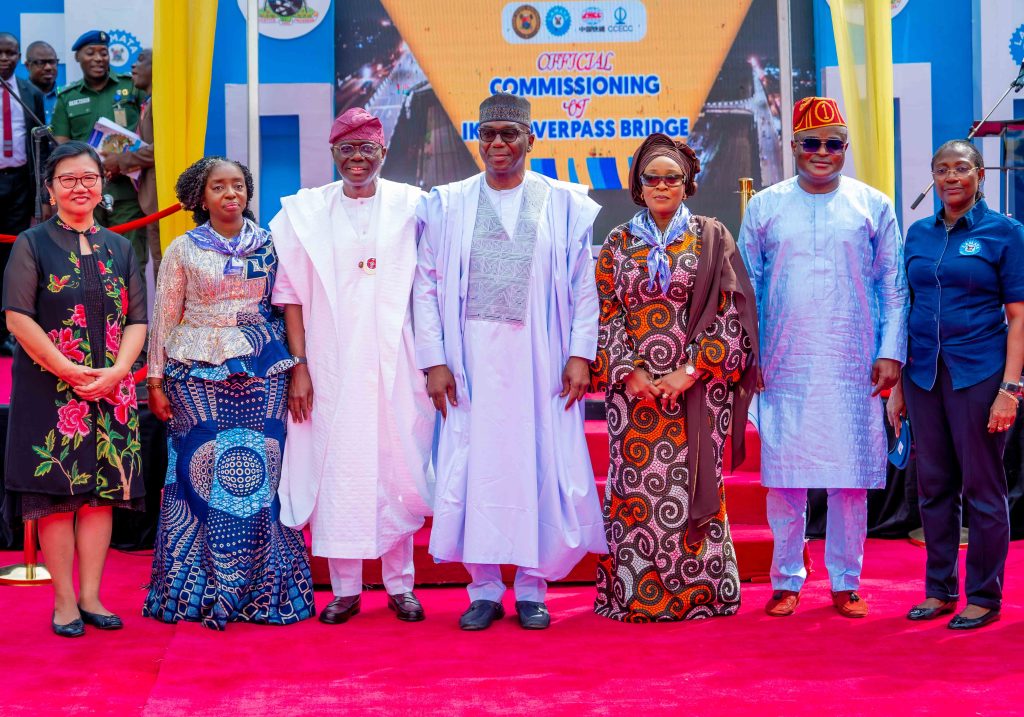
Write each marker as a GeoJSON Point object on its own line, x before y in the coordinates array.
{"type": "Point", "coordinates": [300, 360]}
{"type": "Point", "coordinates": [1014, 388]}
{"type": "Point", "coordinates": [692, 370]}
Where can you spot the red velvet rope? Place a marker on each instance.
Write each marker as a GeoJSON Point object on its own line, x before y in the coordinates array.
{"type": "Point", "coordinates": [134, 224]}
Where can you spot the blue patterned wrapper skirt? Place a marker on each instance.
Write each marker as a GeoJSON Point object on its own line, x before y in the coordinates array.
{"type": "Point", "coordinates": [222, 554]}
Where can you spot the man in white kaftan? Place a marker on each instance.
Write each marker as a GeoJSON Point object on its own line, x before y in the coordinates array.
{"type": "Point", "coordinates": [825, 256]}
{"type": "Point", "coordinates": [506, 317]}
{"type": "Point", "coordinates": [356, 464]}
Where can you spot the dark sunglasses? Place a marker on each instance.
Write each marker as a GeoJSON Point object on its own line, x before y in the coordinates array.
{"type": "Point", "coordinates": [508, 135]}
{"type": "Point", "coordinates": [670, 180]}
{"type": "Point", "coordinates": [811, 145]}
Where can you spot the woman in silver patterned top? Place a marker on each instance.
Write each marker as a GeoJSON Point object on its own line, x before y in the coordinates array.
{"type": "Point", "coordinates": [218, 375]}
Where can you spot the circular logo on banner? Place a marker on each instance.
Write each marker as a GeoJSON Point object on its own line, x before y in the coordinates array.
{"type": "Point", "coordinates": [1017, 45]}
{"type": "Point", "coordinates": [558, 21]}
{"type": "Point", "coordinates": [124, 48]}
{"type": "Point", "coordinates": [526, 21]}
{"type": "Point", "coordinates": [288, 19]}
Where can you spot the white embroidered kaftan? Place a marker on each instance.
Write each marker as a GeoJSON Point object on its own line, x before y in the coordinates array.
{"type": "Point", "coordinates": [514, 480]}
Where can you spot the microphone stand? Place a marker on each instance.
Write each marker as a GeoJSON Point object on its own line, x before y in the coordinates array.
{"type": "Point", "coordinates": [39, 133]}
{"type": "Point", "coordinates": [1016, 86]}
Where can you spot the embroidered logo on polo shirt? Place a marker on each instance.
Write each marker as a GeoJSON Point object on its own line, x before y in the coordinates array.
{"type": "Point", "coordinates": [970, 247]}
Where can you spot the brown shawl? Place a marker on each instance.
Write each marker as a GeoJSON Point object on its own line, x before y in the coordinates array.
{"type": "Point", "coordinates": [719, 268]}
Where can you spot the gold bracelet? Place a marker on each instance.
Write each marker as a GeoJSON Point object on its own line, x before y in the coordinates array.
{"type": "Point", "coordinates": [1016, 399]}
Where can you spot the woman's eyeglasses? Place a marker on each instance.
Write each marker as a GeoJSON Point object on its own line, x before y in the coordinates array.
{"type": "Point", "coordinates": [508, 135]}
{"type": "Point", "coordinates": [69, 181]}
{"type": "Point", "coordinates": [369, 149]}
{"type": "Point", "coordinates": [958, 172]}
{"type": "Point", "coordinates": [812, 145]}
{"type": "Point", "coordinates": [670, 180]}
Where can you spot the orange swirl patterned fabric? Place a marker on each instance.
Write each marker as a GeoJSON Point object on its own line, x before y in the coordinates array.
{"type": "Point", "coordinates": [650, 574]}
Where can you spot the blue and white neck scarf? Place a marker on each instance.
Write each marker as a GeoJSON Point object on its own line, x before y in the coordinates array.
{"type": "Point", "coordinates": [251, 238]}
{"type": "Point", "coordinates": [643, 227]}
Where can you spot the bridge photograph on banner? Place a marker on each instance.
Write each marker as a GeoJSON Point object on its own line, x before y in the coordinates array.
{"type": "Point", "coordinates": [600, 77]}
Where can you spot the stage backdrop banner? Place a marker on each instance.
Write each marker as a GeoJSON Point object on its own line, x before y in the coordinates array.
{"type": "Point", "coordinates": [600, 77]}
{"type": "Point", "coordinates": [129, 24]}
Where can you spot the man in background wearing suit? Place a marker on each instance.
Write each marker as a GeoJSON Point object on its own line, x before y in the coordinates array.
{"type": "Point", "coordinates": [17, 178]}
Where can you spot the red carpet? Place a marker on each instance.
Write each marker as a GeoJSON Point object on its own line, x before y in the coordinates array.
{"type": "Point", "coordinates": [814, 663]}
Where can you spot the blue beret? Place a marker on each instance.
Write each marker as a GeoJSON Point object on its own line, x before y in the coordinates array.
{"type": "Point", "coordinates": [93, 37]}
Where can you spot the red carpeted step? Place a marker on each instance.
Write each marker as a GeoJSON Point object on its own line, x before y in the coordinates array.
{"type": "Point", "coordinates": [597, 444]}
{"type": "Point", "coordinates": [745, 498]}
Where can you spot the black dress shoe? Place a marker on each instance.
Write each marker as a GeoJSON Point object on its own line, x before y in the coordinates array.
{"type": "Point", "coordinates": [102, 622]}
{"type": "Point", "coordinates": [481, 614]}
{"type": "Point", "coordinates": [973, 623]}
{"type": "Point", "coordinates": [406, 607]}
{"type": "Point", "coordinates": [533, 615]}
{"type": "Point", "coordinates": [75, 628]}
{"type": "Point", "coordinates": [930, 613]}
{"type": "Point", "coordinates": [340, 609]}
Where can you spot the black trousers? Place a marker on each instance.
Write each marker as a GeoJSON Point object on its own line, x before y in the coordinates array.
{"type": "Point", "coordinates": [17, 192]}
{"type": "Point", "coordinates": [957, 460]}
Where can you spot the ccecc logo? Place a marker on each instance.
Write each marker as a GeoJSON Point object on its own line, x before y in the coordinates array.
{"type": "Point", "coordinates": [526, 21]}
{"type": "Point", "coordinates": [620, 16]}
{"type": "Point", "coordinates": [124, 48]}
{"type": "Point", "coordinates": [288, 19]}
{"type": "Point", "coordinates": [558, 21]}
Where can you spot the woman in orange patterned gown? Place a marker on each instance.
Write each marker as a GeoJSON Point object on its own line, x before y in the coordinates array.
{"type": "Point", "coordinates": [677, 360]}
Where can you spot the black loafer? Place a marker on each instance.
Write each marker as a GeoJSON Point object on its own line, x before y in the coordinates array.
{"type": "Point", "coordinates": [973, 623]}
{"type": "Point", "coordinates": [481, 614]}
{"type": "Point", "coordinates": [533, 615]}
{"type": "Point", "coordinates": [101, 622]}
{"type": "Point", "coordinates": [339, 610]}
{"type": "Point", "coordinates": [406, 607]}
{"type": "Point", "coordinates": [75, 628]}
{"type": "Point", "coordinates": [930, 613]}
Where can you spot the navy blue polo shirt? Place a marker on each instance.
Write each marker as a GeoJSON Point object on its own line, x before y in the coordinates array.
{"type": "Point", "coordinates": [959, 281]}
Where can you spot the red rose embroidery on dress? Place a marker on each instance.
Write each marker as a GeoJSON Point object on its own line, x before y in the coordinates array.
{"type": "Point", "coordinates": [78, 317]}
{"type": "Point", "coordinates": [124, 399]}
{"type": "Point", "coordinates": [71, 418]}
{"type": "Point", "coordinates": [371, 263]}
{"type": "Point", "coordinates": [113, 337]}
{"type": "Point", "coordinates": [67, 344]}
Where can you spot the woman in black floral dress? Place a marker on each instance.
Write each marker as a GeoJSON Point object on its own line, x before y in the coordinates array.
{"type": "Point", "coordinates": [74, 300]}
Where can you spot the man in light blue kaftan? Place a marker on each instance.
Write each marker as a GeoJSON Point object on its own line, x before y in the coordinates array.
{"type": "Point", "coordinates": [824, 253]}
{"type": "Point", "coordinates": [506, 320]}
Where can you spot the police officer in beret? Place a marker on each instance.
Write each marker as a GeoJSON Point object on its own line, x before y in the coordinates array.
{"type": "Point", "coordinates": [102, 93]}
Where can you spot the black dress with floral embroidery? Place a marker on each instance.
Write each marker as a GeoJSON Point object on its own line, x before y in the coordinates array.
{"type": "Point", "coordinates": [64, 451]}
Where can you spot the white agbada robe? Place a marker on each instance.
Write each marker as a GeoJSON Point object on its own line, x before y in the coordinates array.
{"type": "Point", "coordinates": [359, 471]}
{"type": "Point", "coordinates": [514, 480]}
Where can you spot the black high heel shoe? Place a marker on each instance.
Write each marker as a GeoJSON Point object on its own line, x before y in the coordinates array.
{"type": "Point", "coordinates": [75, 628]}
{"type": "Point", "coordinates": [102, 622]}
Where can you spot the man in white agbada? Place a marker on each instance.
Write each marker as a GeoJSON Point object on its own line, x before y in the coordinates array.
{"type": "Point", "coordinates": [825, 256]}
{"type": "Point", "coordinates": [356, 464]}
{"type": "Point", "coordinates": [506, 317]}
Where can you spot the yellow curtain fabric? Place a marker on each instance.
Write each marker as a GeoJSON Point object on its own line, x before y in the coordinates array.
{"type": "Point", "coordinates": [183, 36]}
{"type": "Point", "coordinates": [863, 33]}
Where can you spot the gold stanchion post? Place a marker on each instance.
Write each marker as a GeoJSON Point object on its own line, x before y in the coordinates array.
{"type": "Point", "coordinates": [30, 572]}
{"type": "Point", "coordinates": [746, 192]}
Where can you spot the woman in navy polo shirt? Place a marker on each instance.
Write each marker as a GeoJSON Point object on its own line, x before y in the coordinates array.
{"type": "Point", "coordinates": [965, 267]}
